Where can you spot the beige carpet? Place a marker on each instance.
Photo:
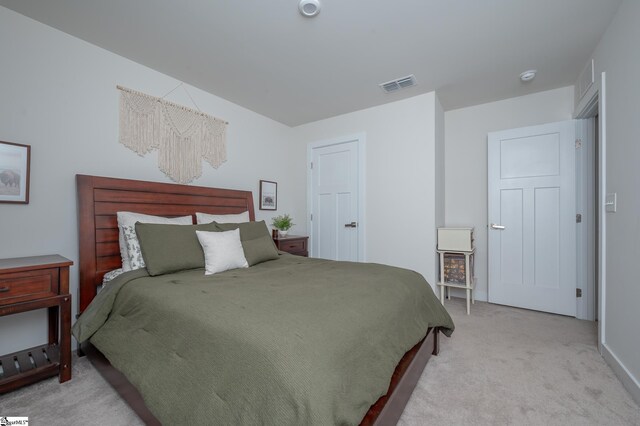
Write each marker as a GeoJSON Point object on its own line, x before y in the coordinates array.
{"type": "Point", "coordinates": [508, 366]}
{"type": "Point", "coordinates": [502, 366]}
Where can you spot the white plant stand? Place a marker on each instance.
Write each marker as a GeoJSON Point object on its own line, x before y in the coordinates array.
{"type": "Point", "coordinates": [469, 279]}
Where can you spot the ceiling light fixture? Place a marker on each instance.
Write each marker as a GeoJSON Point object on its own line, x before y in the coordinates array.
{"type": "Point", "coordinates": [309, 8]}
{"type": "Point", "coordinates": [528, 75]}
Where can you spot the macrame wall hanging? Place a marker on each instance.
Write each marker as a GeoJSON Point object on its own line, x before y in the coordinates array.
{"type": "Point", "coordinates": [182, 136]}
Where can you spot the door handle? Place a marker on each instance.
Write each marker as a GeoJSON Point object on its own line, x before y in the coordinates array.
{"type": "Point", "coordinates": [351, 225]}
{"type": "Point", "coordinates": [498, 227]}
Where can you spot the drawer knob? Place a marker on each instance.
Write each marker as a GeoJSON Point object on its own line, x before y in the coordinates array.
{"type": "Point", "coordinates": [4, 289]}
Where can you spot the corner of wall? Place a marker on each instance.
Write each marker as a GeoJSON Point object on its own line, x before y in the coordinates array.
{"type": "Point", "coordinates": [439, 163]}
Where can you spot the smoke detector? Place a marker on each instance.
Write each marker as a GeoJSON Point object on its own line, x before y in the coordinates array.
{"type": "Point", "coordinates": [309, 8]}
{"type": "Point", "coordinates": [400, 83]}
{"type": "Point", "coordinates": [528, 75]}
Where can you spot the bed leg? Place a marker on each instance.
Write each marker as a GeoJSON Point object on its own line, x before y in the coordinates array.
{"type": "Point", "coordinates": [79, 351]}
{"type": "Point", "coordinates": [436, 341]}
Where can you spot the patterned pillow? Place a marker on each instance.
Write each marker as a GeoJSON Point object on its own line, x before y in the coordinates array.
{"type": "Point", "coordinates": [111, 275]}
{"type": "Point", "coordinates": [133, 247]}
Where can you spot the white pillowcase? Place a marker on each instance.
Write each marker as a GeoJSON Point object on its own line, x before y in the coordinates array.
{"type": "Point", "coordinates": [222, 218]}
{"type": "Point", "coordinates": [222, 251]}
{"type": "Point", "coordinates": [130, 219]}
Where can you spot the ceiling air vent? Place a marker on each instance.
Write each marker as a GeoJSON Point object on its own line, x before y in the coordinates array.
{"type": "Point", "coordinates": [401, 83]}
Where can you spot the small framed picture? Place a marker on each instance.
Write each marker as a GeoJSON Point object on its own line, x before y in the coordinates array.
{"type": "Point", "coordinates": [15, 161]}
{"type": "Point", "coordinates": [268, 195]}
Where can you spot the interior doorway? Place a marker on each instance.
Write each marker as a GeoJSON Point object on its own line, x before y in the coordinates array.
{"type": "Point", "coordinates": [528, 265]}
{"type": "Point", "coordinates": [531, 210]}
{"type": "Point", "coordinates": [335, 191]}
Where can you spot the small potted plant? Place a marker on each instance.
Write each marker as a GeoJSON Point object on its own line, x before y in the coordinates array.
{"type": "Point", "coordinates": [282, 223]}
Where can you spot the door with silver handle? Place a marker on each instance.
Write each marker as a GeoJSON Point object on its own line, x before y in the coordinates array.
{"type": "Point", "coordinates": [498, 227]}
{"type": "Point", "coordinates": [351, 225]}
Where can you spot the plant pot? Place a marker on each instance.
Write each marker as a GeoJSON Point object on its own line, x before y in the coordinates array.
{"type": "Point", "coordinates": [282, 234]}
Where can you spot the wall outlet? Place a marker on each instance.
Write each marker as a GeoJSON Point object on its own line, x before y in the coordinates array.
{"type": "Point", "coordinates": [611, 202]}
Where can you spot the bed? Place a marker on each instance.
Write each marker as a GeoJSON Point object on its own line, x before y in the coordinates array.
{"type": "Point", "coordinates": [294, 392]}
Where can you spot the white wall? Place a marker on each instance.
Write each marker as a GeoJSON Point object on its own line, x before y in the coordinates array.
{"type": "Point", "coordinates": [466, 158]}
{"type": "Point", "coordinates": [618, 55]}
{"type": "Point", "coordinates": [57, 94]}
{"type": "Point", "coordinates": [400, 183]}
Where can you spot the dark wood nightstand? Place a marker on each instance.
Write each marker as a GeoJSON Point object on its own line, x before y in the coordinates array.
{"type": "Point", "coordinates": [294, 244]}
{"type": "Point", "coordinates": [28, 283]}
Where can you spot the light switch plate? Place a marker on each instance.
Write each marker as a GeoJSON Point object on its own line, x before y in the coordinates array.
{"type": "Point", "coordinates": [611, 202]}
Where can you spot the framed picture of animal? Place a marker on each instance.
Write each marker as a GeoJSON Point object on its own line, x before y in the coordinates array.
{"type": "Point", "coordinates": [15, 162]}
{"type": "Point", "coordinates": [268, 195]}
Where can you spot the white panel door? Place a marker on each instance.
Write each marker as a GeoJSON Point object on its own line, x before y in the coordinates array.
{"type": "Point", "coordinates": [334, 186]}
{"type": "Point", "coordinates": [532, 229]}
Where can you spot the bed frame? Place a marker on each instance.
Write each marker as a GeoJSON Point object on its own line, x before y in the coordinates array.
{"type": "Point", "coordinates": [99, 198]}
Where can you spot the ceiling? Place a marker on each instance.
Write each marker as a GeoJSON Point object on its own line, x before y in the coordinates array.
{"type": "Point", "coordinates": [265, 56]}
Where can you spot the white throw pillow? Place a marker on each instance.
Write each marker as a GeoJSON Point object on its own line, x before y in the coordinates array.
{"type": "Point", "coordinates": [130, 219]}
{"type": "Point", "coordinates": [222, 218]}
{"type": "Point", "coordinates": [222, 251]}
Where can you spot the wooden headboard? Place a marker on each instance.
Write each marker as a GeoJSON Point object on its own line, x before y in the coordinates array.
{"type": "Point", "coordinates": [99, 198]}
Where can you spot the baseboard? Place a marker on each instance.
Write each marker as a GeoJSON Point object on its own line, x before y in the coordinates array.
{"type": "Point", "coordinates": [628, 381]}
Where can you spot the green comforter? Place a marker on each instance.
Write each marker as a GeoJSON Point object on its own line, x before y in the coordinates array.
{"type": "Point", "coordinates": [292, 341]}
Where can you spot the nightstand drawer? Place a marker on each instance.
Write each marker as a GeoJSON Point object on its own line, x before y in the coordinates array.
{"type": "Point", "coordinates": [28, 285]}
{"type": "Point", "coordinates": [293, 246]}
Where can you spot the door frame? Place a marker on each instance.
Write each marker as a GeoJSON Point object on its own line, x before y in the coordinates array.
{"type": "Point", "coordinates": [587, 229]}
{"type": "Point", "coordinates": [596, 97]}
{"type": "Point", "coordinates": [360, 138]}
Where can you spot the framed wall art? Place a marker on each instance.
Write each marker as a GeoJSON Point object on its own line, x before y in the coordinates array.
{"type": "Point", "coordinates": [15, 161]}
{"type": "Point", "coordinates": [268, 195]}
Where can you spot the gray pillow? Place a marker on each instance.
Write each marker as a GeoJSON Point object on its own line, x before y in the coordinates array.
{"type": "Point", "coordinates": [257, 243]}
{"type": "Point", "coordinates": [171, 248]}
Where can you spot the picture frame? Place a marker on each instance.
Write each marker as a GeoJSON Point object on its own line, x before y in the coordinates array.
{"type": "Point", "coordinates": [15, 163]}
{"type": "Point", "coordinates": [268, 195]}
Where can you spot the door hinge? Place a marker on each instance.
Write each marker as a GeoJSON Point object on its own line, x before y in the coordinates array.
{"type": "Point", "coordinates": [578, 143]}
{"type": "Point", "coordinates": [578, 218]}
{"type": "Point", "coordinates": [578, 292]}
{"type": "Point", "coordinates": [311, 216]}
{"type": "Point", "coordinates": [312, 164]}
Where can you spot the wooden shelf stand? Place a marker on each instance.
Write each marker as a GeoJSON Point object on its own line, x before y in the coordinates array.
{"type": "Point", "coordinates": [469, 284]}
